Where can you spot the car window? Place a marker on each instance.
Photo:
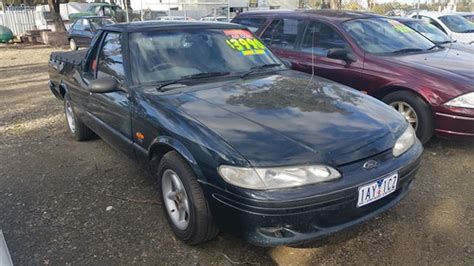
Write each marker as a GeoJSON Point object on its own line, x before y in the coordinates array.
{"type": "Point", "coordinates": [318, 38]}
{"type": "Point", "coordinates": [90, 66]}
{"type": "Point", "coordinates": [86, 25]}
{"type": "Point", "coordinates": [428, 30]}
{"type": "Point", "coordinates": [385, 36]}
{"type": "Point", "coordinates": [110, 57]}
{"type": "Point", "coordinates": [253, 24]}
{"type": "Point", "coordinates": [457, 24]}
{"type": "Point", "coordinates": [430, 21]}
{"type": "Point", "coordinates": [159, 56]}
{"type": "Point", "coordinates": [78, 25]}
{"type": "Point", "coordinates": [283, 33]}
{"type": "Point", "coordinates": [97, 23]}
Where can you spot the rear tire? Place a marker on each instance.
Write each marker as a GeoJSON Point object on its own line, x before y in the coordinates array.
{"type": "Point", "coordinates": [73, 45]}
{"type": "Point", "coordinates": [414, 108]}
{"type": "Point", "coordinates": [197, 225]}
{"type": "Point", "coordinates": [78, 130]}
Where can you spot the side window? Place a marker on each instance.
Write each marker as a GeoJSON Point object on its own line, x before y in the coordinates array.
{"type": "Point", "coordinates": [437, 25]}
{"type": "Point", "coordinates": [78, 25]}
{"type": "Point", "coordinates": [252, 23]}
{"type": "Point", "coordinates": [110, 57]}
{"type": "Point", "coordinates": [318, 38]}
{"type": "Point", "coordinates": [107, 11]}
{"type": "Point", "coordinates": [283, 33]}
{"type": "Point", "coordinates": [90, 66]}
{"type": "Point", "coordinates": [85, 24]}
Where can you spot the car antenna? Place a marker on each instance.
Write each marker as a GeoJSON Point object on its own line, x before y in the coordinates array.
{"type": "Point", "coordinates": [312, 57]}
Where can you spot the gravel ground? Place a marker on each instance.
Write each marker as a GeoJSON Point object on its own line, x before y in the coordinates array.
{"type": "Point", "coordinates": [64, 202]}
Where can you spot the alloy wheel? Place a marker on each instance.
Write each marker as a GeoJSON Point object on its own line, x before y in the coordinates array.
{"type": "Point", "coordinates": [71, 122]}
{"type": "Point", "coordinates": [407, 111]}
{"type": "Point", "coordinates": [175, 199]}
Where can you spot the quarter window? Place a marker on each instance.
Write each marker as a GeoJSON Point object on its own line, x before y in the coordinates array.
{"type": "Point", "coordinates": [110, 57]}
{"type": "Point", "coordinates": [319, 38]}
{"type": "Point", "coordinates": [283, 33]}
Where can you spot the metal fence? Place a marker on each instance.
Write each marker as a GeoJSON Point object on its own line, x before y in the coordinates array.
{"type": "Point", "coordinates": [18, 19]}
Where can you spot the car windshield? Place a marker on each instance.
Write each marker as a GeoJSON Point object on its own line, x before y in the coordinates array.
{"type": "Point", "coordinates": [457, 24]}
{"type": "Point", "coordinates": [97, 23]}
{"type": "Point", "coordinates": [162, 56]}
{"type": "Point", "coordinates": [385, 36]}
{"type": "Point", "coordinates": [428, 30]}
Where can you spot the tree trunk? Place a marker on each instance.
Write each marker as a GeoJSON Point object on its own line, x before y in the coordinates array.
{"type": "Point", "coordinates": [55, 15]}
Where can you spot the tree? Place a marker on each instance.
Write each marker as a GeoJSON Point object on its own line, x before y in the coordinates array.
{"type": "Point", "coordinates": [55, 15]}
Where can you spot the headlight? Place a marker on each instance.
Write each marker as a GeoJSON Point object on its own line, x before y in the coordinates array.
{"type": "Point", "coordinates": [464, 101]}
{"type": "Point", "coordinates": [277, 177]}
{"type": "Point", "coordinates": [404, 142]}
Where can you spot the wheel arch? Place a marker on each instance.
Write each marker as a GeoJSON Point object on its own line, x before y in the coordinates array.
{"type": "Point", "coordinates": [62, 89]}
{"type": "Point", "coordinates": [164, 144]}
{"type": "Point", "coordinates": [384, 91]}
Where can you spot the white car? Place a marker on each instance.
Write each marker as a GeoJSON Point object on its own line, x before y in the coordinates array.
{"type": "Point", "coordinates": [467, 15]}
{"type": "Point", "coordinates": [174, 18]}
{"type": "Point", "coordinates": [455, 26]}
{"type": "Point", "coordinates": [218, 18]}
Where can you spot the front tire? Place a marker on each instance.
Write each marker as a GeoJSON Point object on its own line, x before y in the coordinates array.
{"type": "Point", "coordinates": [73, 45]}
{"type": "Point", "coordinates": [184, 203]}
{"type": "Point", "coordinates": [415, 110]}
{"type": "Point", "coordinates": [78, 130]}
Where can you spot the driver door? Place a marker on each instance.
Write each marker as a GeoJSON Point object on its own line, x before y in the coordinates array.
{"type": "Point", "coordinates": [109, 113]}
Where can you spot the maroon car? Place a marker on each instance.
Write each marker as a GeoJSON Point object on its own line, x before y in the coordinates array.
{"type": "Point", "coordinates": [431, 86]}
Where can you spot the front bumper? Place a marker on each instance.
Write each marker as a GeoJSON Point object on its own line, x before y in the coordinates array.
{"type": "Point", "coordinates": [454, 126]}
{"type": "Point", "coordinates": [293, 216]}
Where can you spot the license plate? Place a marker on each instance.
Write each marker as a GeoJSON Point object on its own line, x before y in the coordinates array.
{"type": "Point", "coordinates": [377, 189]}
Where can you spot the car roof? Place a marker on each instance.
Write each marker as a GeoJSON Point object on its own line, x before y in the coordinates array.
{"type": "Point", "coordinates": [403, 19]}
{"type": "Point", "coordinates": [329, 14]}
{"type": "Point", "coordinates": [435, 14]}
{"type": "Point", "coordinates": [169, 24]}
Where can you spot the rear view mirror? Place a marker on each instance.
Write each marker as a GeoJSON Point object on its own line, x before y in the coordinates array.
{"type": "Point", "coordinates": [104, 85]}
{"type": "Point", "coordinates": [341, 54]}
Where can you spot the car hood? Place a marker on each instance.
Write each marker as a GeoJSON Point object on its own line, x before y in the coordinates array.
{"type": "Point", "coordinates": [467, 38]}
{"type": "Point", "coordinates": [461, 47]}
{"type": "Point", "coordinates": [458, 63]}
{"type": "Point", "coordinates": [289, 118]}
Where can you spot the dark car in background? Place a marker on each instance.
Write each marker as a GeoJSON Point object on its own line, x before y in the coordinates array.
{"type": "Point", "coordinates": [80, 33]}
{"type": "Point", "coordinates": [235, 139]}
{"type": "Point", "coordinates": [431, 86]}
{"type": "Point", "coordinates": [434, 34]}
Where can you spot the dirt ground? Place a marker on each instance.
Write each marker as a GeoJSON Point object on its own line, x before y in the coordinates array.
{"type": "Point", "coordinates": [55, 192]}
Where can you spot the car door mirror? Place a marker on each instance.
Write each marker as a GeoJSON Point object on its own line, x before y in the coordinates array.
{"type": "Point", "coordinates": [341, 54]}
{"type": "Point", "coordinates": [104, 85]}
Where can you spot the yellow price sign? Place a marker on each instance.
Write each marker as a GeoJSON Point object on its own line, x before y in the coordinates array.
{"type": "Point", "coordinates": [244, 42]}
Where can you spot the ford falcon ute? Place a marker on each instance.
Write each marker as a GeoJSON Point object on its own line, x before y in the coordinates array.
{"type": "Point", "coordinates": [235, 140]}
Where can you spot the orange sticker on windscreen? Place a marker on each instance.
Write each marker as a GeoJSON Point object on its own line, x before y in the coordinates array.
{"type": "Point", "coordinates": [244, 42]}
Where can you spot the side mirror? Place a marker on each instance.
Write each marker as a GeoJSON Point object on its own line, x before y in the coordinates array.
{"type": "Point", "coordinates": [104, 85]}
{"type": "Point", "coordinates": [341, 54]}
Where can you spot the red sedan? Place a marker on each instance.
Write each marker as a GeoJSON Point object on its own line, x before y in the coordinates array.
{"type": "Point", "coordinates": [431, 86]}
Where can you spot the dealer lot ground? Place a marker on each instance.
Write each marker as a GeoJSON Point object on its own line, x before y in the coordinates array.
{"type": "Point", "coordinates": [67, 202]}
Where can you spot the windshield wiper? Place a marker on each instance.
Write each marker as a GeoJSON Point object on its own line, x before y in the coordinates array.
{"type": "Point", "coordinates": [201, 75]}
{"type": "Point", "coordinates": [259, 67]}
{"type": "Point", "coordinates": [407, 50]}
{"type": "Point", "coordinates": [445, 42]}
{"type": "Point", "coordinates": [435, 46]}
